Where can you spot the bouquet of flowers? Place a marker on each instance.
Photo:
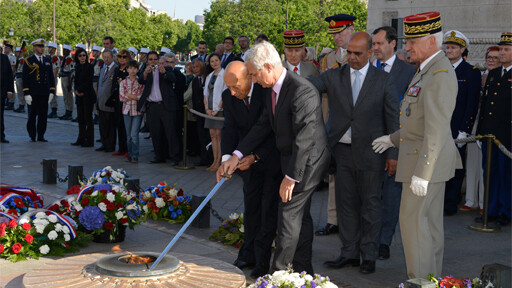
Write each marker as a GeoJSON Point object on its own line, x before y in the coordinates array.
{"type": "Point", "coordinates": [18, 202]}
{"type": "Point", "coordinates": [231, 231]}
{"type": "Point", "coordinates": [105, 208]}
{"type": "Point", "coordinates": [107, 175]}
{"type": "Point", "coordinates": [16, 242]}
{"type": "Point", "coordinates": [165, 202]}
{"type": "Point", "coordinates": [290, 279]}
{"type": "Point", "coordinates": [452, 282]}
{"type": "Point", "coordinates": [64, 207]}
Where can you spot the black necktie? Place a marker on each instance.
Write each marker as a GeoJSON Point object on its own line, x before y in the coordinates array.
{"type": "Point", "coordinates": [383, 65]}
{"type": "Point", "coordinates": [106, 72]}
{"type": "Point", "coordinates": [246, 101]}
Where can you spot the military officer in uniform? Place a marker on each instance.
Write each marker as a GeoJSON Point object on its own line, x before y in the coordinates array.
{"type": "Point", "coordinates": [56, 62]}
{"type": "Point", "coordinates": [341, 27]}
{"type": "Point", "coordinates": [38, 86]}
{"type": "Point", "coordinates": [466, 107]}
{"type": "Point", "coordinates": [66, 70]}
{"type": "Point", "coordinates": [427, 156]}
{"type": "Point", "coordinates": [495, 119]}
{"type": "Point", "coordinates": [19, 81]}
{"type": "Point", "coordinates": [294, 44]}
{"type": "Point", "coordinates": [12, 63]}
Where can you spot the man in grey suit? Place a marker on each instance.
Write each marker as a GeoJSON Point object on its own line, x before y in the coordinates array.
{"type": "Point", "coordinates": [106, 112]}
{"type": "Point", "coordinates": [294, 49]}
{"type": "Point", "coordinates": [363, 104]}
{"type": "Point", "coordinates": [401, 73]}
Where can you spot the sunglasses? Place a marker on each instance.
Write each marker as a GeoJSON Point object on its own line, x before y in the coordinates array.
{"type": "Point", "coordinates": [153, 59]}
{"type": "Point", "coordinates": [122, 56]}
{"type": "Point", "coordinates": [82, 55]}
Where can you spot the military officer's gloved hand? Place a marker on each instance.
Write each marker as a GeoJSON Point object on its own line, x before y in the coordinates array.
{"type": "Point", "coordinates": [51, 97]}
{"type": "Point", "coordinates": [479, 144]}
{"type": "Point", "coordinates": [28, 99]}
{"type": "Point", "coordinates": [419, 186]}
{"type": "Point", "coordinates": [462, 135]}
{"type": "Point", "coordinates": [382, 144]}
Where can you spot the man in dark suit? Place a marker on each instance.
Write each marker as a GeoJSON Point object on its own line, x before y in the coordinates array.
{"type": "Point", "coordinates": [6, 88]}
{"type": "Point", "coordinates": [38, 84]}
{"type": "Point", "coordinates": [293, 113]}
{"type": "Point", "coordinates": [243, 104]}
{"type": "Point", "coordinates": [201, 51]}
{"type": "Point", "coordinates": [384, 41]}
{"type": "Point", "coordinates": [106, 110]}
{"type": "Point", "coordinates": [355, 119]}
{"type": "Point", "coordinates": [198, 104]}
{"type": "Point", "coordinates": [244, 42]}
{"type": "Point", "coordinates": [179, 89]}
{"type": "Point", "coordinates": [466, 107]}
{"type": "Point", "coordinates": [160, 104]}
{"type": "Point", "coordinates": [228, 55]}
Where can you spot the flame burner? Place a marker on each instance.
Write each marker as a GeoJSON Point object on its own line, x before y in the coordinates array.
{"type": "Point", "coordinates": [135, 264]}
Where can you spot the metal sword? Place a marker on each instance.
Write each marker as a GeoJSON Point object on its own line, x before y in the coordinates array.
{"type": "Point", "coordinates": [189, 221]}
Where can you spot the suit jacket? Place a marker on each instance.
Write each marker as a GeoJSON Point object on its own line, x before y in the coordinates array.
{"type": "Point", "coordinates": [374, 114]}
{"type": "Point", "coordinates": [6, 76]}
{"type": "Point", "coordinates": [197, 55]}
{"type": "Point", "coordinates": [105, 88]}
{"type": "Point", "coordinates": [306, 68]}
{"type": "Point", "coordinates": [83, 83]}
{"type": "Point", "coordinates": [230, 58]}
{"type": "Point", "coordinates": [198, 94]}
{"type": "Point", "coordinates": [38, 77]}
{"type": "Point", "coordinates": [299, 132]}
{"type": "Point", "coordinates": [179, 87]}
{"type": "Point", "coordinates": [468, 95]}
{"type": "Point", "coordinates": [166, 81]}
{"type": "Point", "coordinates": [238, 121]}
{"type": "Point", "coordinates": [425, 143]}
{"type": "Point", "coordinates": [495, 110]}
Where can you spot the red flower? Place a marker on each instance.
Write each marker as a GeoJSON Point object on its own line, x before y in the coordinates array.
{"type": "Point", "coordinates": [123, 220]}
{"type": "Point", "coordinates": [12, 223]}
{"type": "Point", "coordinates": [111, 206]}
{"type": "Point", "coordinates": [120, 206]}
{"type": "Point", "coordinates": [73, 190]}
{"type": "Point", "coordinates": [109, 225]}
{"type": "Point", "coordinates": [36, 205]}
{"type": "Point", "coordinates": [88, 191]}
{"type": "Point", "coordinates": [29, 238]}
{"type": "Point", "coordinates": [13, 212]}
{"type": "Point", "coordinates": [64, 203]}
{"type": "Point", "coordinates": [2, 232]}
{"type": "Point", "coordinates": [451, 282]}
{"type": "Point", "coordinates": [85, 201]}
{"type": "Point", "coordinates": [103, 191]}
{"type": "Point", "coordinates": [26, 226]}
{"type": "Point", "coordinates": [54, 207]}
{"type": "Point", "coordinates": [1, 248]}
{"type": "Point", "coordinates": [3, 225]}
{"type": "Point", "coordinates": [105, 201]}
{"type": "Point", "coordinates": [16, 248]}
{"type": "Point", "coordinates": [161, 183]}
{"type": "Point", "coordinates": [113, 191]}
{"type": "Point", "coordinates": [18, 202]}
{"type": "Point", "coordinates": [180, 193]}
{"type": "Point", "coordinates": [108, 174]}
{"type": "Point", "coordinates": [237, 245]}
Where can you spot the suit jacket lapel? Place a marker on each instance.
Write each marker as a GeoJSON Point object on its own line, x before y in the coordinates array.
{"type": "Point", "coordinates": [366, 85]}
{"type": "Point", "coordinates": [345, 76]}
{"type": "Point", "coordinates": [283, 93]}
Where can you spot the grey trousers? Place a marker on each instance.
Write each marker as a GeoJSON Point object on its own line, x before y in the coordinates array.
{"type": "Point", "coordinates": [19, 92]}
{"type": "Point", "coordinates": [67, 86]}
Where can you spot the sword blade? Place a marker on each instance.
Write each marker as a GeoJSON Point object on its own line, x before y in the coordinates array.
{"type": "Point", "coordinates": [189, 221]}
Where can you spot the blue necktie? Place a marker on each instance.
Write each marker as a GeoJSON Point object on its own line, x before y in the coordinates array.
{"type": "Point", "coordinates": [383, 65]}
{"type": "Point", "coordinates": [356, 86]}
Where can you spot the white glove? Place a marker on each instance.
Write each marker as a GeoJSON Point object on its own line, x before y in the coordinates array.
{"type": "Point", "coordinates": [419, 186]}
{"type": "Point", "coordinates": [382, 144]}
{"type": "Point", "coordinates": [51, 97]}
{"type": "Point", "coordinates": [479, 144]}
{"type": "Point", "coordinates": [28, 99]}
{"type": "Point", "coordinates": [462, 135]}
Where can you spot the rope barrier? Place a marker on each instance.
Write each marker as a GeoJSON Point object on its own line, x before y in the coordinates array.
{"type": "Point", "coordinates": [474, 138]}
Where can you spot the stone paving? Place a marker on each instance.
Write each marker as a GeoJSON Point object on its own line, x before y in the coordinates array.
{"type": "Point", "coordinates": [466, 251]}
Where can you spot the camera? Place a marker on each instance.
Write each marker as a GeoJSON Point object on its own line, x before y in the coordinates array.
{"type": "Point", "coordinates": [155, 67]}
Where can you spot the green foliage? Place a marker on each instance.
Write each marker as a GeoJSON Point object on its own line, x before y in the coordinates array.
{"type": "Point", "coordinates": [231, 231]}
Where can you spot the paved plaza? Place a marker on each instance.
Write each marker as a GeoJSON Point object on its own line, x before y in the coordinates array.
{"type": "Point", "coordinates": [466, 251]}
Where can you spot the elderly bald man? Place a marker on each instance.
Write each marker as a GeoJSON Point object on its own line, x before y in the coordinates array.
{"type": "Point", "coordinates": [260, 170]}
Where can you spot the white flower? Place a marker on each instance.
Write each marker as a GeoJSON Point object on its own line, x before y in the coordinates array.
{"type": "Point", "coordinates": [241, 228]}
{"type": "Point", "coordinates": [147, 194]}
{"type": "Point", "coordinates": [94, 194]}
{"type": "Point", "coordinates": [52, 235]}
{"type": "Point", "coordinates": [40, 215]}
{"type": "Point", "coordinates": [234, 216]}
{"type": "Point", "coordinates": [119, 215]}
{"type": "Point", "coordinates": [41, 221]}
{"type": "Point", "coordinates": [39, 228]}
{"type": "Point", "coordinates": [111, 197]}
{"type": "Point", "coordinates": [159, 202]}
{"type": "Point", "coordinates": [102, 206]}
{"type": "Point", "coordinates": [77, 206]}
{"type": "Point", "coordinates": [23, 221]}
{"type": "Point", "coordinates": [145, 208]}
{"type": "Point", "coordinates": [65, 229]}
{"type": "Point", "coordinates": [173, 192]}
{"type": "Point", "coordinates": [67, 237]}
{"type": "Point", "coordinates": [308, 277]}
{"type": "Point", "coordinates": [58, 227]}
{"type": "Point", "coordinates": [44, 249]}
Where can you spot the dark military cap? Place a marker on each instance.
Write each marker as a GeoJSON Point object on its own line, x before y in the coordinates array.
{"type": "Point", "coordinates": [339, 23]}
{"type": "Point", "coordinates": [506, 38]}
{"type": "Point", "coordinates": [423, 24]}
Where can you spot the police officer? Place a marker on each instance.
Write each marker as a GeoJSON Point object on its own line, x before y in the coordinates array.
{"type": "Point", "coordinates": [66, 70]}
{"type": "Point", "coordinates": [19, 81]}
{"type": "Point", "coordinates": [56, 62]}
{"type": "Point", "coordinates": [466, 107]}
{"type": "Point", "coordinates": [495, 119]}
{"type": "Point", "coordinates": [38, 86]}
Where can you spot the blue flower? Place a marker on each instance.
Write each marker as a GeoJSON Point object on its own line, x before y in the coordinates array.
{"type": "Point", "coordinates": [179, 212]}
{"type": "Point", "coordinates": [132, 213]}
{"type": "Point", "coordinates": [173, 215]}
{"type": "Point", "coordinates": [104, 180]}
{"type": "Point", "coordinates": [179, 198]}
{"type": "Point", "coordinates": [232, 230]}
{"type": "Point", "coordinates": [313, 284]}
{"type": "Point", "coordinates": [154, 194]}
{"type": "Point", "coordinates": [24, 208]}
{"type": "Point", "coordinates": [171, 209]}
{"type": "Point", "coordinates": [92, 218]}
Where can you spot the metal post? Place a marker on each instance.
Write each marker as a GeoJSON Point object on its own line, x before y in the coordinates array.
{"type": "Point", "coordinates": [185, 134]}
{"type": "Point", "coordinates": [132, 184]}
{"type": "Point", "coordinates": [485, 226]}
{"type": "Point", "coordinates": [49, 171]}
{"type": "Point", "coordinates": [203, 218]}
{"type": "Point", "coordinates": [75, 175]}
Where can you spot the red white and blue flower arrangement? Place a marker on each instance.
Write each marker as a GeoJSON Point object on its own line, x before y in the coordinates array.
{"type": "Point", "coordinates": [290, 279]}
{"type": "Point", "coordinates": [165, 202]}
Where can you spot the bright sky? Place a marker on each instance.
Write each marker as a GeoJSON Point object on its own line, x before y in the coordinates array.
{"type": "Point", "coordinates": [185, 9]}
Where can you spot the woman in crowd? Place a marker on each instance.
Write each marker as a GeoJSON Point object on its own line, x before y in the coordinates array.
{"type": "Point", "coordinates": [85, 97]}
{"type": "Point", "coordinates": [129, 93]}
{"type": "Point", "coordinates": [120, 73]}
{"type": "Point", "coordinates": [492, 61]}
{"type": "Point", "coordinates": [213, 87]}
{"type": "Point", "coordinates": [189, 73]}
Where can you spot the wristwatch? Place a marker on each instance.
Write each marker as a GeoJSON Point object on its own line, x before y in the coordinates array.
{"type": "Point", "coordinates": [256, 158]}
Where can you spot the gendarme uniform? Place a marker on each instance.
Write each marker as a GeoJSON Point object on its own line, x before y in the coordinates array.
{"type": "Point", "coordinates": [19, 81]}
{"type": "Point", "coordinates": [426, 150]}
{"type": "Point", "coordinates": [495, 119]}
{"type": "Point", "coordinates": [66, 72]}
{"type": "Point", "coordinates": [295, 39]}
{"type": "Point", "coordinates": [56, 62]}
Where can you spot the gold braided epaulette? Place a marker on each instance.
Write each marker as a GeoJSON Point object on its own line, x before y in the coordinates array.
{"type": "Point", "coordinates": [439, 70]}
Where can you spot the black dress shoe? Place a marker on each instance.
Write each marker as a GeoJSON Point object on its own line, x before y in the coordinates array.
{"type": "Point", "coordinates": [99, 140]}
{"type": "Point", "coordinates": [155, 161]}
{"type": "Point", "coordinates": [367, 267]}
{"type": "Point", "coordinates": [258, 271]}
{"type": "Point", "coordinates": [383, 252]}
{"type": "Point", "coordinates": [342, 262]}
{"type": "Point", "coordinates": [327, 230]}
{"type": "Point", "coordinates": [100, 149]}
{"type": "Point", "coordinates": [42, 140]}
{"type": "Point", "coordinates": [502, 220]}
{"type": "Point", "coordinates": [32, 139]}
{"type": "Point", "coordinates": [448, 212]}
{"type": "Point", "coordinates": [242, 264]}
{"type": "Point", "coordinates": [76, 143]}
{"type": "Point", "coordinates": [4, 140]}
{"type": "Point", "coordinates": [87, 145]}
